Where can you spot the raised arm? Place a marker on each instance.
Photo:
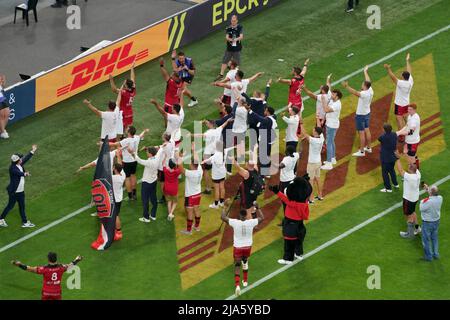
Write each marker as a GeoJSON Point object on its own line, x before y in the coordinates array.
{"type": "Point", "coordinates": [259, 213]}
{"type": "Point", "coordinates": [325, 105]}
{"type": "Point", "coordinates": [309, 92]}
{"type": "Point", "coordinates": [285, 81]}
{"type": "Point", "coordinates": [24, 266]}
{"type": "Point", "coordinates": [87, 166]}
{"type": "Point", "coordinates": [408, 64]}
{"type": "Point", "coordinates": [350, 89]}
{"type": "Point", "coordinates": [132, 74]}
{"type": "Point", "coordinates": [305, 68]}
{"type": "Point", "coordinates": [223, 215]}
{"type": "Point", "coordinates": [221, 84]}
{"type": "Point", "coordinates": [398, 164]}
{"type": "Point", "coordinates": [255, 76]}
{"type": "Point", "coordinates": [113, 84]}
{"type": "Point", "coordinates": [241, 171]}
{"type": "Point", "coordinates": [329, 81]}
{"type": "Point", "coordinates": [164, 72]}
{"type": "Point", "coordinates": [159, 108]}
{"type": "Point", "coordinates": [93, 109]}
{"type": "Point", "coordinates": [174, 64]}
{"type": "Point", "coordinates": [143, 133]}
{"type": "Point", "coordinates": [390, 73]}
{"type": "Point", "coordinates": [74, 262]}
{"type": "Point", "coordinates": [366, 73]}
{"type": "Point", "coordinates": [267, 91]}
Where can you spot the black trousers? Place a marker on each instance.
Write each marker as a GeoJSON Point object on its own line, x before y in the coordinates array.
{"type": "Point", "coordinates": [148, 194]}
{"type": "Point", "coordinates": [292, 247]}
{"type": "Point", "coordinates": [13, 198]}
{"type": "Point", "coordinates": [350, 3]}
{"type": "Point", "coordinates": [387, 170]}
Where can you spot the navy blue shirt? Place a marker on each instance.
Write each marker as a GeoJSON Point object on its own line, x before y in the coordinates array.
{"type": "Point", "coordinates": [388, 147]}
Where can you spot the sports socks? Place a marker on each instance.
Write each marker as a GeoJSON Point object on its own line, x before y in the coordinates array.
{"type": "Point", "coordinates": [197, 222]}
{"type": "Point", "coordinates": [237, 279]}
{"type": "Point", "coordinates": [189, 225]}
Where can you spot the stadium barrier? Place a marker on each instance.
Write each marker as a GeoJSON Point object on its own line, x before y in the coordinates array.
{"type": "Point", "coordinates": [62, 82]}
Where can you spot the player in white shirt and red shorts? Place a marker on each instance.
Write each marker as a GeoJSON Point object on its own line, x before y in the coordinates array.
{"type": "Point", "coordinates": [192, 192]}
{"type": "Point", "coordinates": [411, 132]}
{"type": "Point", "coordinates": [242, 241]}
{"type": "Point", "coordinates": [402, 93]}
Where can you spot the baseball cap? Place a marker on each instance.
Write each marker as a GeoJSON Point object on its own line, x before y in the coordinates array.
{"type": "Point", "coordinates": [15, 158]}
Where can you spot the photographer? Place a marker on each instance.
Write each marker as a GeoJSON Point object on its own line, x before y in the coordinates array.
{"type": "Point", "coordinates": [430, 209]}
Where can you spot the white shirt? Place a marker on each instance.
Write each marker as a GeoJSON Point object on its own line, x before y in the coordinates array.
{"type": "Point", "coordinates": [240, 120]}
{"type": "Point", "coordinates": [320, 112]}
{"type": "Point", "coordinates": [364, 101]}
{"type": "Point", "coordinates": [232, 76]}
{"type": "Point", "coordinates": [112, 155]}
{"type": "Point", "coordinates": [403, 91]}
{"type": "Point", "coordinates": [332, 118]}
{"type": "Point", "coordinates": [169, 153]}
{"type": "Point", "coordinates": [413, 123]}
{"type": "Point", "coordinates": [151, 167]}
{"type": "Point", "coordinates": [292, 126]}
{"type": "Point", "coordinates": [243, 232]}
{"type": "Point", "coordinates": [241, 86]}
{"type": "Point", "coordinates": [118, 181]}
{"type": "Point", "coordinates": [132, 143]}
{"type": "Point", "coordinates": [119, 122]}
{"type": "Point", "coordinates": [287, 173]}
{"type": "Point", "coordinates": [411, 186]}
{"type": "Point", "coordinates": [21, 186]}
{"type": "Point", "coordinates": [174, 122]}
{"type": "Point", "coordinates": [193, 183]}
{"type": "Point", "coordinates": [218, 166]}
{"type": "Point", "coordinates": [315, 149]}
{"type": "Point", "coordinates": [211, 137]}
{"type": "Point", "coordinates": [109, 121]}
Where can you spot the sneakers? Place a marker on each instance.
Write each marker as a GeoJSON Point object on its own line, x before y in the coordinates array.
{"type": "Point", "coordinates": [385, 190]}
{"type": "Point", "coordinates": [349, 10]}
{"type": "Point", "coordinates": [193, 103]}
{"type": "Point", "coordinates": [417, 231]}
{"type": "Point", "coordinates": [310, 202]}
{"type": "Point", "coordinates": [145, 220]}
{"type": "Point", "coordinates": [28, 224]}
{"type": "Point", "coordinates": [94, 214]}
{"type": "Point", "coordinates": [244, 284]}
{"type": "Point", "coordinates": [214, 206]}
{"type": "Point", "coordinates": [326, 166]}
{"type": "Point", "coordinates": [170, 217]}
{"type": "Point", "coordinates": [221, 204]}
{"type": "Point", "coordinates": [185, 232]}
{"type": "Point", "coordinates": [368, 149]}
{"type": "Point", "coordinates": [282, 261]}
{"type": "Point", "coordinates": [3, 223]}
{"type": "Point", "coordinates": [300, 257]}
{"type": "Point", "coordinates": [333, 161]}
{"type": "Point", "coordinates": [153, 218]}
{"type": "Point", "coordinates": [318, 198]}
{"type": "Point", "coordinates": [359, 153]}
{"type": "Point", "coordinates": [405, 235]}
{"type": "Point", "coordinates": [397, 186]}
{"type": "Point", "coordinates": [4, 135]}
{"type": "Point", "coordinates": [237, 292]}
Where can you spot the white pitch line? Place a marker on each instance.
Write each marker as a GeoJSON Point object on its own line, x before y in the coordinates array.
{"type": "Point", "coordinates": [73, 214]}
{"type": "Point", "coordinates": [330, 242]}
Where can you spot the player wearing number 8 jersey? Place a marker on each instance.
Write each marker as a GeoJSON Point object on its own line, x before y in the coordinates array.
{"type": "Point", "coordinates": [242, 241]}
{"type": "Point", "coordinates": [52, 273]}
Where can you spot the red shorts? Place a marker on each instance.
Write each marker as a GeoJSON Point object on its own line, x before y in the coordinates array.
{"type": "Point", "coordinates": [168, 107]}
{"type": "Point", "coordinates": [177, 143]}
{"type": "Point", "coordinates": [51, 296]}
{"type": "Point", "coordinates": [412, 149]}
{"type": "Point", "coordinates": [244, 252]}
{"type": "Point", "coordinates": [127, 120]}
{"type": "Point", "coordinates": [226, 99]}
{"type": "Point", "coordinates": [192, 201]}
{"type": "Point", "coordinates": [400, 111]}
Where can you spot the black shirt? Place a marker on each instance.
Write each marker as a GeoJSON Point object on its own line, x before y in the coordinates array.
{"type": "Point", "coordinates": [234, 33]}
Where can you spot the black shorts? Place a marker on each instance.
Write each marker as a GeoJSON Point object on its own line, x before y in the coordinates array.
{"type": "Point", "coordinates": [187, 80]}
{"type": "Point", "coordinates": [247, 201]}
{"type": "Point", "coordinates": [218, 180]}
{"type": "Point", "coordinates": [129, 168]}
{"type": "Point", "coordinates": [118, 206]}
{"type": "Point", "coordinates": [3, 105]}
{"type": "Point", "coordinates": [232, 55]}
{"type": "Point", "coordinates": [409, 207]}
{"type": "Point", "coordinates": [161, 176]}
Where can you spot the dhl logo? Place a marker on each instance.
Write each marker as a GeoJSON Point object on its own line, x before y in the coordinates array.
{"type": "Point", "coordinates": [209, 251]}
{"type": "Point", "coordinates": [94, 69]}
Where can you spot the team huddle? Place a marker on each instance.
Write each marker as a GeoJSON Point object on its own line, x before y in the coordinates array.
{"type": "Point", "coordinates": [242, 116]}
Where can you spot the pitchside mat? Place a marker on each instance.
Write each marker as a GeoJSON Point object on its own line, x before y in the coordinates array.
{"type": "Point", "coordinates": [155, 261]}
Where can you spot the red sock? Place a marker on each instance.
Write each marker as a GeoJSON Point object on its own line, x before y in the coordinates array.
{"type": "Point", "coordinates": [417, 163]}
{"type": "Point", "coordinates": [237, 279]}
{"type": "Point", "coordinates": [189, 225]}
{"type": "Point", "coordinates": [245, 272]}
{"type": "Point", "coordinates": [197, 222]}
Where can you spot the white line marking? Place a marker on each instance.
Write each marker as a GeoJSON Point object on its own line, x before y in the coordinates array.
{"type": "Point", "coordinates": [330, 242]}
{"type": "Point", "coordinates": [73, 214]}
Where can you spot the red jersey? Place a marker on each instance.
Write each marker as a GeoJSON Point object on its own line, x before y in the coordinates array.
{"type": "Point", "coordinates": [52, 279]}
{"type": "Point", "coordinates": [173, 91]}
{"type": "Point", "coordinates": [126, 101]}
{"type": "Point", "coordinates": [294, 98]}
{"type": "Point", "coordinates": [171, 181]}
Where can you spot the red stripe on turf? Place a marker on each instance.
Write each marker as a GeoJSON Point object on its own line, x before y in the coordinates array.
{"type": "Point", "coordinates": [194, 263]}
{"type": "Point", "coordinates": [197, 252]}
{"type": "Point", "coordinates": [431, 128]}
{"type": "Point", "coordinates": [199, 241]}
{"type": "Point", "coordinates": [432, 135]}
{"type": "Point", "coordinates": [431, 118]}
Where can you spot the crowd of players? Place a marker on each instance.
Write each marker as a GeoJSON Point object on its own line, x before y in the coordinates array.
{"type": "Point", "coordinates": [241, 115]}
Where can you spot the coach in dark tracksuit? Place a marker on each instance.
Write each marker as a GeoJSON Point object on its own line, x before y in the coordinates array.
{"type": "Point", "coordinates": [388, 157]}
{"type": "Point", "coordinates": [16, 187]}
